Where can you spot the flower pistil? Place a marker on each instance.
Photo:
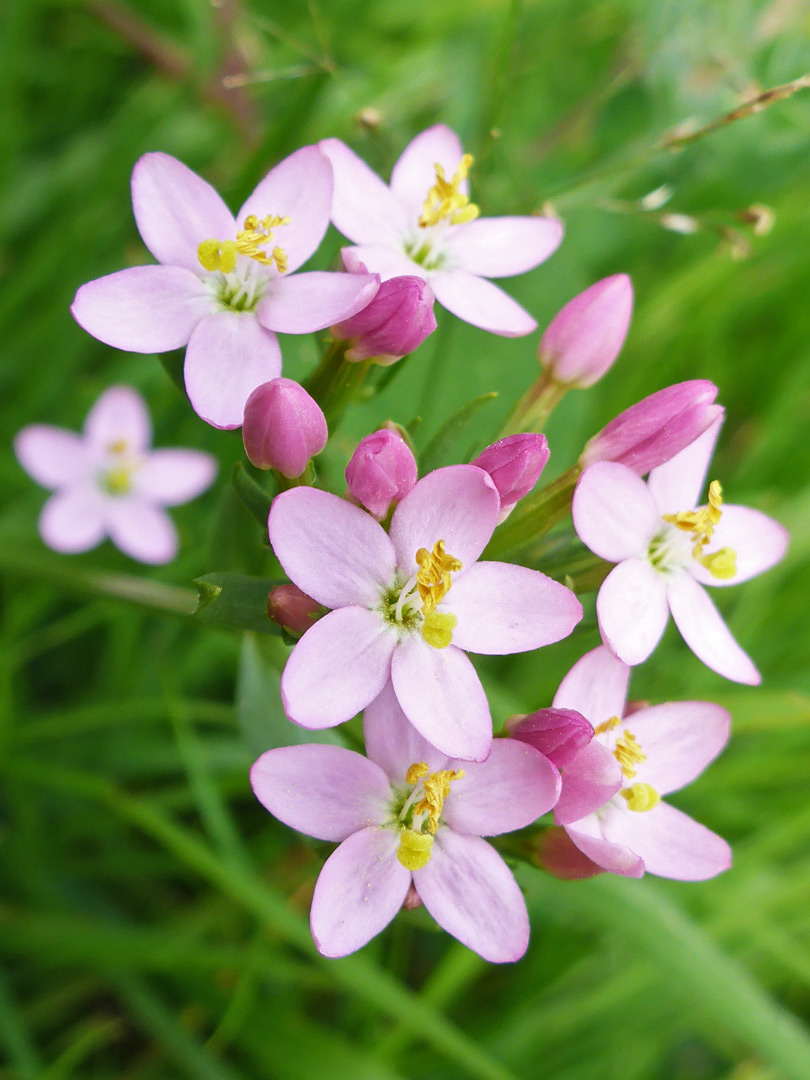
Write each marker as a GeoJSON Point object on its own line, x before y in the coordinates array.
{"type": "Point", "coordinates": [416, 839]}
{"type": "Point", "coordinates": [444, 200]}
{"type": "Point", "coordinates": [251, 240]}
{"type": "Point", "coordinates": [701, 524]}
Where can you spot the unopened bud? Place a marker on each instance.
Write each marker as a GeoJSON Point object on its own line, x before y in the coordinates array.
{"type": "Point", "coordinates": [283, 427]}
{"type": "Point", "coordinates": [514, 465]}
{"type": "Point", "coordinates": [381, 472]}
{"type": "Point", "coordinates": [559, 734]}
{"type": "Point", "coordinates": [412, 899]}
{"type": "Point", "coordinates": [558, 855]}
{"type": "Point", "coordinates": [397, 320]}
{"type": "Point", "coordinates": [291, 608]}
{"type": "Point", "coordinates": [585, 337]}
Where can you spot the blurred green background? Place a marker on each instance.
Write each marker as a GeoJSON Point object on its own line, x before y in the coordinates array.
{"type": "Point", "coordinates": [152, 916]}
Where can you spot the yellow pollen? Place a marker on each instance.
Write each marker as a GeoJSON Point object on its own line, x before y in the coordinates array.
{"type": "Point", "coordinates": [721, 564]}
{"type": "Point", "coordinates": [251, 240]}
{"type": "Point", "coordinates": [117, 447]}
{"type": "Point", "coordinates": [435, 789]}
{"type": "Point", "coordinates": [437, 629]}
{"type": "Point", "coordinates": [608, 725]}
{"type": "Point", "coordinates": [414, 849]}
{"type": "Point", "coordinates": [628, 753]}
{"type": "Point", "coordinates": [640, 797]}
{"type": "Point", "coordinates": [444, 200]}
{"type": "Point", "coordinates": [416, 772]}
{"type": "Point", "coordinates": [701, 524]}
{"type": "Point", "coordinates": [118, 481]}
{"type": "Point", "coordinates": [433, 575]}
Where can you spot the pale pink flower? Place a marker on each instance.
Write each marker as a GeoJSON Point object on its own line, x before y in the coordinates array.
{"type": "Point", "coordinates": [407, 817]}
{"type": "Point", "coordinates": [585, 337]}
{"type": "Point", "coordinates": [107, 482]}
{"type": "Point", "coordinates": [409, 605]}
{"type": "Point", "coordinates": [610, 803]}
{"type": "Point", "coordinates": [424, 224]}
{"type": "Point", "coordinates": [284, 427]}
{"type": "Point", "coordinates": [667, 548]}
{"type": "Point", "coordinates": [225, 286]}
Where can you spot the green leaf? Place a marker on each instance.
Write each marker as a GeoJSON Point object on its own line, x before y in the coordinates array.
{"type": "Point", "coordinates": [437, 451]}
{"type": "Point", "coordinates": [253, 495]}
{"type": "Point", "coordinates": [235, 602]}
{"type": "Point", "coordinates": [236, 539]}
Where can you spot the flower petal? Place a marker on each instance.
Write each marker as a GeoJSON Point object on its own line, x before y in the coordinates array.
{"type": "Point", "coordinates": [299, 187]}
{"type": "Point", "coordinates": [176, 210]}
{"type": "Point", "coordinates": [171, 477]}
{"type": "Point", "coordinates": [671, 844]}
{"type": "Point", "coordinates": [596, 686]}
{"type": "Point", "coordinates": [705, 632]}
{"type": "Point", "coordinates": [323, 791]}
{"type": "Point", "coordinates": [340, 664]}
{"type": "Point", "coordinates": [678, 483]}
{"type": "Point", "coordinates": [304, 303]}
{"type": "Point", "coordinates": [382, 259]}
{"type": "Point", "coordinates": [415, 172]}
{"type": "Point", "coordinates": [72, 520]}
{"type": "Point", "coordinates": [363, 207]}
{"type": "Point", "coordinates": [145, 309]}
{"type": "Point", "coordinates": [228, 356]}
{"type": "Point", "coordinates": [500, 247]}
{"type": "Point", "coordinates": [442, 697]}
{"type": "Point", "coordinates": [591, 780]}
{"type": "Point", "coordinates": [614, 513]}
{"type": "Point", "coordinates": [457, 504]}
{"type": "Point", "coordinates": [632, 610]}
{"type": "Point", "coordinates": [503, 608]}
{"type": "Point", "coordinates": [359, 891]}
{"type": "Point", "coordinates": [679, 739]}
{"type": "Point", "coordinates": [393, 742]}
{"type": "Point", "coordinates": [52, 456]}
{"type": "Point", "coordinates": [119, 415]}
{"type": "Point", "coordinates": [511, 789]}
{"type": "Point", "coordinates": [480, 303]}
{"type": "Point", "coordinates": [758, 540]}
{"type": "Point", "coordinates": [617, 858]}
{"type": "Point", "coordinates": [336, 552]}
{"type": "Point", "coordinates": [140, 530]}
{"type": "Point", "coordinates": [471, 893]}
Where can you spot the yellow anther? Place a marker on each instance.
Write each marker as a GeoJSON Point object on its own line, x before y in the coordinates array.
{"type": "Point", "coordinates": [414, 849]}
{"type": "Point", "coordinates": [118, 481]}
{"type": "Point", "coordinates": [628, 754]}
{"type": "Point", "coordinates": [437, 629]}
{"type": "Point", "coordinates": [218, 255]}
{"type": "Point", "coordinates": [416, 772]}
{"type": "Point", "coordinates": [118, 446]}
{"type": "Point", "coordinates": [436, 788]}
{"type": "Point", "coordinates": [640, 797]}
{"type": "Point", "coordinates": [444, 200]}
{"type": "Point", "coordinates": [608, 725]}
{"type": "Point", "coordinates": [721, 564]}
{"type": "Point", "coordinates": [700, 523]}
{"type": "Point", "coordinates": [433, 575]}
{"type": "Point", "coordinates": [251, 240]}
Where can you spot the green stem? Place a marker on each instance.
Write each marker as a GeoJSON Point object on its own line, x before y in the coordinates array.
{"type": "Point", "coordinates": [534, 516]}
{"type": "Point", "coordinates": [535, 407]}
{"type": "Point", "coordinates": [336, 382]}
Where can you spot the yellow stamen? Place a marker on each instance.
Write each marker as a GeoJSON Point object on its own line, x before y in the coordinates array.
{"type": "Point", "coordinates": [640, 797]}
{"type": "Point", "coordinates": [414, 849]}
{"type": "Point", "coordinates": [701, 524]}
{"type": "Point", "coordinates": [217, 255]}
{"type": "Point", "coordinates": [436, 788]}
{"type": "Point", "coordinates": [438, 627]}
{"type": "Point", "coordinates": [251, 240]}
{"type": "Point", "coordinates": [416, 772]}
{"type": "Point", "coordinates": [118, 481]}
{"type": "Point", "coordinates": [433, 575]}
{"type": "Point", "coordinates": [608, 725]}
{"type": "Point", "coordinates": [117, 447]}
{"type": "Point", "coordinates": [444, 200]}
{"type": "Point", "coordinates": [628, 753]}
{"type": "Point", "coordinates": [721, 564]}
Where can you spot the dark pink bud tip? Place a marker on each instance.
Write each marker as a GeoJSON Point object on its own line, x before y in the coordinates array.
{"type": "Point", "coordinates": [291, 608]}
{"type": "Point", "coordinates": [514, 464]}
{"type": "Point", "coordinates": [558, 733]}
{"type": "Point", "coordinates": [397, 321]}
{"type": "Point", "coordinates": [381, 472]}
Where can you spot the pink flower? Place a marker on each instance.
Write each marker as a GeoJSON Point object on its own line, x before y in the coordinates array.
{"type": "Point", "coordinates": [625, 827]}
{"type": "Point", "coordinates": [381, 472]}
{"type": "Point", "coordinates": [408, 606]}
{"type": "Point", "coordinates": [409, 817]}
{"type": "Point", "coordinates": [424, 224]}
{"type": "Point", "coordinates": [224, 286]}
{"type": "Point", "coordinates": [108, 483]}
{"type": "Point", "coordinates": [667, 551]}
{"type": "Point", "coordinates": [283, 427]}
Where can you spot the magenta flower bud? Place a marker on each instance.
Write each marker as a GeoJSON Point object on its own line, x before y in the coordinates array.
{"type": "Point", "coordinates": [656, 428]}
{"type": "Point", "coordinates": [283, 427]}
{"type": "Point", "coordinates": [560, 734]}
{"type": "Point", "coordinates": [514, 464]}
{"type": "Point", "coordinates": [397, 320]}
{"type": "Point", "coordinates": [291, 608]}
{"type": "Point", "coordinates": [586, 336]}
{"type": "Point", "coordinates": [382, 471]}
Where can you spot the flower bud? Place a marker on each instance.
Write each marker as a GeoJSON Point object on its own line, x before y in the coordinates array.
{"type": "Point", "coordinates": [585, 337]}
{"type": "Point", "coordinates": [514, 464]}
{"type": "Point", "coordinates": [558, 855]}
{"type": "Point", "coordinates": [283, 427]}
{"type": "Point", "coordinates": [382, 471]}
{"type": "Point", "coordinates": [292, 609]}
{"type": "Point", "coordinates": [559, 734]}
{"type": "Point", "coordinates": [656, 428]}
{"type": "Point", "coordinates": [397, 320]}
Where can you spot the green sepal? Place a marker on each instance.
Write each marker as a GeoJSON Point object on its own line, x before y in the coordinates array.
{"type": "Point", "coordinates": [230, 601]}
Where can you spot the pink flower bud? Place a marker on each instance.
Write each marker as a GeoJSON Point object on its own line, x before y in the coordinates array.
{"type": "Point", "coordinates": [558, 855]}
{"type": "Point", "coordinates": [586, 336]}
{"type": "Point", "coordinates": [382, 471]}
{"type": "Point", "coordinates": [656, 428]}
{"type": "Point", "coordinates": [283, 427]}
{"type": "Point", "coordinates": [292, 609]}
{"type": "Point", "coordinates": [397, 320]}
{"type": "Point", "coordinates": [558, 733]}
{"type": "Point", "coordinates": [514, 463]}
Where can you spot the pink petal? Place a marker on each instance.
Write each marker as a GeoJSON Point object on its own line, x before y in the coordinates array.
{"type": "Point", "coordinates": [458, 504]}
{"type": "Point", "coordinates": [322, 791]}
{"type": "Point", "coordinates": [52, 456]}
{"type": "Point", "coordinates": [758, 540]}
{"type": "Point", "coordinates": [614, 513]}
{"type": "Point", "coordinates": [299, 187]}
{"type": "Point", "coordinates": [511, 789]}
{"type": "Point", "coordinates": [228, 356]}
{"type": "Point", "coordinates": [471, 893]}
{"type": "Point", "coordinates": [331, 549]}
{"type": "Point", "coordinates": [705, 632]}
{"type": "Point", "coordinates": [72, 520]}
{"type": "Point", "coordinates": [590, 781]}
{"type": "Point", "coordinates": [119, 415]}
{"type": "Point", "coordinates": [176, 210]}
{"type": "Point", "coordinates": [632, 610]}
{"type": "Point", "coordinates": [145, 309]}
{"type": "Point", "coordinates": [671, 844]}
{"type": "Point", "coordinates": [442, 697]}
{"type": "Point", "coordinates": [383, 259]}
{"type": "Point", "coordinates": [304, 303]}
{"type": "Point", "coordinates": [679, 739]}
{"type": "Point", "coordinates": [678, 483]}
{"type": "Point", "coordinates": [140, 530]}
{"type": "Point", "coordinates": [172, 477]}
{"type": "Point", "coordinates": [596, 686]}
{"type": "Point", "coordinates": [359, 891]}
{"type": "Point", "coordinates": [415, 172]}
{"type": "Point", "coordinates": [393, 742]}
{"type": "Point", "coordinates": [503, 608]}
{"type": "Point", "coordinates": [363, 207]}
{"type": "Point", "coordinates": [617, 858]}
{"type": "Point", "coordinates": [339, 666]}
{"type": "Point", "coordinates": [500, 247]}
{"type": "Point", "coordinates": [480, 303]}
